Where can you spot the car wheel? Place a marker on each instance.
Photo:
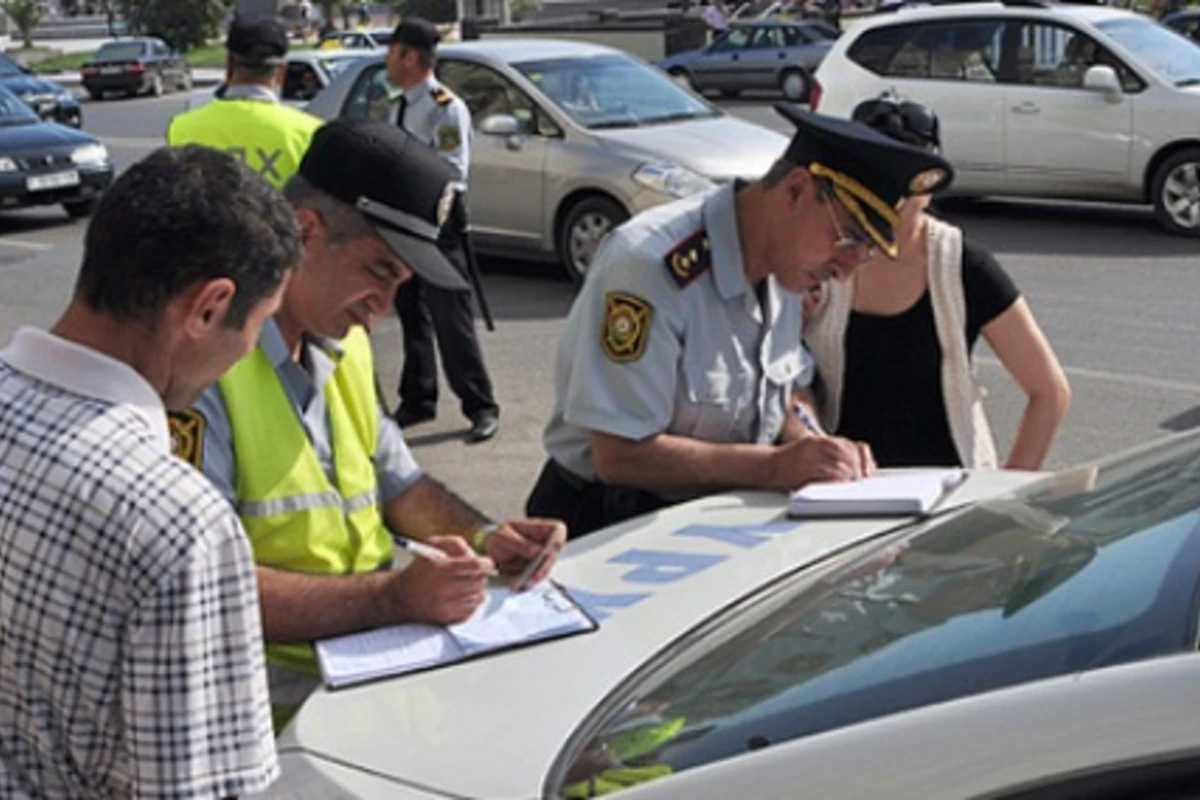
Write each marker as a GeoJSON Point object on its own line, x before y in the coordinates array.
{"type": "Point", "coordinates": [156, 86]}
{"type": "Point", "coordinates": [794, 85]}
{"type": "Point", "coordinates": [1176, 191]}
{"type": "Point", "coordinates": [185, 83]}
{"type": "Point", "coordinates": [582, 230]}
{"type": "Point", "coordinates": [680, 76]}
{"type": "Point", "coordinates": [79, 208]}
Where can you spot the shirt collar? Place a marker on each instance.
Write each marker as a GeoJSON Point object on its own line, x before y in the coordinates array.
{"type": "Point", "coordinates": [248, 91]}
{"type": "Point", "coordinates": [270, 339]}
{"type": "Point", "coordinates": [720, 221]}
{"type": "Point", "coordinates": [89, 373]}
{"type": "Point", "coordinates": [414, 93]}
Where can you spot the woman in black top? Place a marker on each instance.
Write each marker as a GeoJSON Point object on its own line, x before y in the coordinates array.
{"type": "Point", "coordinates": [891, 366]}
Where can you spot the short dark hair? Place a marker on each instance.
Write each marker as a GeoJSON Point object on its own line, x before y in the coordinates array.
{"type": "Point", "coordinates": [181, 216]}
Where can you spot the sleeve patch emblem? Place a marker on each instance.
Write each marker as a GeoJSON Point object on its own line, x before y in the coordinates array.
{"type": "Point", "coordinates": [627, 320]}
{"type": "Point", "coordinates": [449, 137]}
{"type": "Point", "coordinates": [187, 436]}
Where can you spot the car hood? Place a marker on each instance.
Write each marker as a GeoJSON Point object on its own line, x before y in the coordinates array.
{"type": "Point", "coordinates": [493, 727]}
{"type": "Point", "coordinates": [41, 136]}
{"type": "Point", "coordinates": [722, 148]}
{"type": "Point", "coordinates": [30, 84]}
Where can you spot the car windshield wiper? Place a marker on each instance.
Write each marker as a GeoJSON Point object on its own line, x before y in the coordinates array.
{"type": "Point", "coordinates": [1188, 82]}
{"type": "Point", "coordinates": [679, 116]}
{"type": "Point", "coordinates": [615, 123]}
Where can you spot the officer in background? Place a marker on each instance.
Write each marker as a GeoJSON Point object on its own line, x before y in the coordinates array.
{"type": "Point", "coordinates": [294, 437]}
{"type": "Point", "coordinates": [247, 120]}
{"type": "Point", "coordinates": [680, 370]}
{"type": "Point", "coordinates": [431, 113]}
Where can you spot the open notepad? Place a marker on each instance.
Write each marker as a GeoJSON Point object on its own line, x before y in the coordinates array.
{"type": "Point", "coordinates": [506, 619]}
{"type": "Point", "coordinates": [890, 494]}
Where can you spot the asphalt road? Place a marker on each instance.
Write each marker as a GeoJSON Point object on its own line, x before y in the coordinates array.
{"type": "Point", "coordinates": [1118, 299]}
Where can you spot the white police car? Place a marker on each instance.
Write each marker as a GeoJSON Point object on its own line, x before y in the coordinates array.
{"type": "Point", "coordinates": [1039, 642]}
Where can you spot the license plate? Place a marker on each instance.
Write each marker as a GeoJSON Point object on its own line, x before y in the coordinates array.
{"type": "Point", "coordinates": [55, 180]}
{"type": "Point", "coordinates": [111, 70]}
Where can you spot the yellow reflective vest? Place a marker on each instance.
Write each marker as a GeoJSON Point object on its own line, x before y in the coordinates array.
{"type": "Point", "coordinates": [296, 519]}
{"type": "Point", "coordinates": [271, 138]}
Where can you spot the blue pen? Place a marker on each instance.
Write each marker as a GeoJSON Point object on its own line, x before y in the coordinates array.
{"type": "Point", "coordinates": [807, 419]}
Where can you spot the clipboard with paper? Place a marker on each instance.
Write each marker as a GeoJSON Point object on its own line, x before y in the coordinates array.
{"type": "Point", "coordinates": [506, 620]}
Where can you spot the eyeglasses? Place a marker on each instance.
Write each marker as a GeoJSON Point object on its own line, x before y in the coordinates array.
{"type": "Point", "coordinates": [854, 241]}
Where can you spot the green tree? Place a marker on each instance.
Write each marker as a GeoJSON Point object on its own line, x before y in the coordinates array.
{"type": "Point", "coordinates": [184, 24]}
{"type": "Point", "coordinates": [25, 14]}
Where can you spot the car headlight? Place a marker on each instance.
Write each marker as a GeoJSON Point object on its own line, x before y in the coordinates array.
{"type": "Point", "coordinates": [90, 154]}
{"type": "Point", "coordinates": [671, 179]}
{"type": "Point", "coordinates": [7, 164]}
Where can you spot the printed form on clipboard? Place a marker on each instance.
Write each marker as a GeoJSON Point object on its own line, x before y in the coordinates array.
{"type": "Point", "coordinates": [901, 493]}
{"type": "Point", "coordinates": [507, 619]}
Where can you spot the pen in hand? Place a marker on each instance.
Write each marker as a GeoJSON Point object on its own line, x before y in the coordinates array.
{"type": "Point", "coordinates": [423, 550]}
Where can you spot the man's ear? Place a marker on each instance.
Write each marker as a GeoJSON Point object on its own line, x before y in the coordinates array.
{"type": "Point", "coordinates": [206, 306]}
{"type": "Point", "coordinates": [311, 223]}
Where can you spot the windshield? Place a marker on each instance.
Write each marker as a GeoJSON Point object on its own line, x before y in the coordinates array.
{"type": "Point", "coordinates": [13, 111]}
{"type": "Point", "coordinates": [119, 51]}
{"type": "Point", "coordinates": [1156, 47]}
{"type": "Point", "coordinates": [613, 91]}
{"type": "Point", "coordinates": [1094, 569]}
{"type": "Point", "coordinates": [334, 66]}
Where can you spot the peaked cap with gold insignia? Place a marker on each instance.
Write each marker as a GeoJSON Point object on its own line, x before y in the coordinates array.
{"type": "Point", "coordinates": [870, 173]}
{"type": "Point", "coordinates": [689, 259]}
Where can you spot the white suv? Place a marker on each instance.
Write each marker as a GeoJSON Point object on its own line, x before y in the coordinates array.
{"type": "Point", "coordinates": [1039, 99]}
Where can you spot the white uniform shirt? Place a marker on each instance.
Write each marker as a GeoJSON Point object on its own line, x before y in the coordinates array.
{"type": "Point", "coordinates": [437, 117]}
{"type": "Point", "coordinates": [131, 658]}
{"type": "Point", "coordinates": [702, 360]}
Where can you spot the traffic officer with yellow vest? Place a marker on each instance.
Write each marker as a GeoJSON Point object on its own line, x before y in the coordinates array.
{"type": "Point", "coordinates": [247, 120]}
{"type": "Point", "coordinates": [295, 437]}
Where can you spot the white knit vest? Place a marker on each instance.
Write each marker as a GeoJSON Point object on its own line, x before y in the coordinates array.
{"type": "Point", "coordinates": [825, 335]}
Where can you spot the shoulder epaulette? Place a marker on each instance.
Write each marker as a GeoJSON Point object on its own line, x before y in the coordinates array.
{"type": "Point", "coordinates": [441, 96]}
{"type": "Point", "coordinates": [690, 259]}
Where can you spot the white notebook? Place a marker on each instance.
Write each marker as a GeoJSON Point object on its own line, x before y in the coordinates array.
{"type": "Point", "coordinates": [506, 619]}
{"type": "Point", "coordinates": [889, 494]}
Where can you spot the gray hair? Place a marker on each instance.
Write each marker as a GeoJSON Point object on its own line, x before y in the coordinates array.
{"type": "Point", "coordinates": [343, 221]}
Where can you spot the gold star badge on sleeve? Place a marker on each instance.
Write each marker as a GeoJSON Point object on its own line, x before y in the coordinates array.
{"type": "Point", "coordinates": [187, 436]}
{"type": "Point", "coordinates": [627, 320]}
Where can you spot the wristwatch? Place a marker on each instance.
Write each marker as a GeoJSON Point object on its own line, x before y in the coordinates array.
{"type": "Point", "coordinates": [478, 539]}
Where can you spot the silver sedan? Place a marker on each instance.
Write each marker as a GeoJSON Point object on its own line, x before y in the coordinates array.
{"type": "Point", "coordinates": [570, 140]}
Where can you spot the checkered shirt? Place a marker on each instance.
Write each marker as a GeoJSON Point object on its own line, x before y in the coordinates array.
{"type": "Point", "coordinates": [130, 641]}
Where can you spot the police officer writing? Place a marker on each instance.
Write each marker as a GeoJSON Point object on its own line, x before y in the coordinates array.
{"type": "Point", "coordinates": [294, 436]}
{"type": "Point", "coordinates": [431, 113]}
{"type": "Point", "coordinates": [681, 365]}
{"type": "Point", "coordinates": [247, 120]}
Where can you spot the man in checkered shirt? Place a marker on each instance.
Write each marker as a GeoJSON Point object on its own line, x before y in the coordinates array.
{"type": "Point", "coordinates": [130, 642]}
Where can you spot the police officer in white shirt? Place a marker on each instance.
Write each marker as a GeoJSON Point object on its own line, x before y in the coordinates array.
{"type": "Point", "coordinates": [680, 368]}
{"type": "Point", "coordinates": [436, 117]}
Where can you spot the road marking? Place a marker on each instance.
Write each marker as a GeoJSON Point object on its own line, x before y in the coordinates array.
{"type": "Point", "coordinates": [24, 245]}
{"type": "Point", "coordinates": [1116, 377]}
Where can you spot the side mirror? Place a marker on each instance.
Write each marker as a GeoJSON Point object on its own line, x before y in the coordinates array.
{"type": "Point", "coordinates": [1103, 78]}
{"type": "Point", "coordinates": [500, 125]}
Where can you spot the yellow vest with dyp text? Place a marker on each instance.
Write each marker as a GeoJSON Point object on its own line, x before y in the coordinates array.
{"type": "Point", "coordinates": [296, 519]}
{"type": "Point", "coordinates": [269, 137]}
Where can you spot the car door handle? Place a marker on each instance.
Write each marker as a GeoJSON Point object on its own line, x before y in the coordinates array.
{"type": "Point", "coordinates": [1027, 108]}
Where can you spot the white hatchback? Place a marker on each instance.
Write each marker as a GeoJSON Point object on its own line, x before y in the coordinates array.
{"type": "Point", "coordinates": [1039, 99]}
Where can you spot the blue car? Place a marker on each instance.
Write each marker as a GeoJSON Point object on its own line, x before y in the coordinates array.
{"type": "Point", "coordinates": [1185, 22]}
{"type": "Point", "coordinates": [45, 163]}
{"type": "Point", "coordinates": [772, 54]}
{"type": "Point", "coordinates": [48, 100]}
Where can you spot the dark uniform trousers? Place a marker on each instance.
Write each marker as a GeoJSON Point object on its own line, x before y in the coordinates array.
{"type": "Point", "coordinates": [426, 310]}
{"type": "Point", "coordinates": [584, 505]}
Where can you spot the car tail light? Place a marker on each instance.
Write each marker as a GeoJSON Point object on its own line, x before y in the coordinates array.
{"type": "Point", "coordinates": [88, 71]}
{"type": "Point", "coordinates": [137, 67]}
{"type": "Point", "coordinates": [814, 95]}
